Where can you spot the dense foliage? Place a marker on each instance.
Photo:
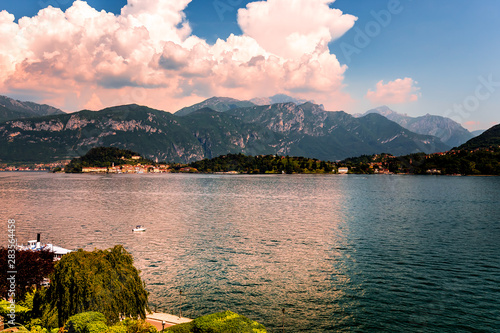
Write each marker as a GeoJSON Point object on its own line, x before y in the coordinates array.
{"type": "Point", "coordinates": [95, 322]}
{"type": "Point", "coordinates": [223, 322]}
{"type": "Point", "coordinates": [30, 312]}
{"type": "Point", "coordinates": [263, 164]}
{"type": "Point", "coordinates": [23, 313]}
{"type": "Point", "coordinates": [31, 267]}
{"type": "Point", "coordinates": [86, 322]}
{"type": "Point", "coordinates": [104, 157]}
{"type": "Point", "coordinates": [490, 138]}
{"type": "Point", "coordinates": [481, 162]}
{"type": "Point", "coordinates": [457, 162]}
{"type": "Point", "coordinates": [104, 281]}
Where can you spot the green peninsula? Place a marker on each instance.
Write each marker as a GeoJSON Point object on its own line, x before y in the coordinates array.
{"type": "Point", "coordinates": [112, 160]}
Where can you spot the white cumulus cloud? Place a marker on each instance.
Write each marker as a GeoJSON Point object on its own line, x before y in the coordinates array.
{"type": "Point", "coordinates": [148, 55]}
{"type": "Point", "coordinates": [290, 28]}
{"type": "Point", "coordinates": [399, 91]}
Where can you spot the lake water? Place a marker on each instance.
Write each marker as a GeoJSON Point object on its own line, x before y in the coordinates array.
{"type": "Point", "coordinates": [338, 253]}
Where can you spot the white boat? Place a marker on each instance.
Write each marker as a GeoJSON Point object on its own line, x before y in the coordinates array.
{"type": "Point", "coordinates": [36, 245]}
{"type": "Point", "coordinates": [139, 228]}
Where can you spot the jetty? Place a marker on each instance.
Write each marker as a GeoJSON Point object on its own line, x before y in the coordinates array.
{"type": "Point", "coordinates": [164, 320]}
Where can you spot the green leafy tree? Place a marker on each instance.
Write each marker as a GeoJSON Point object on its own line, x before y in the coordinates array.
{"type": "Point", "coordinates": [42, 314]}
{"type": "Point", "coordinates": [104, 281]}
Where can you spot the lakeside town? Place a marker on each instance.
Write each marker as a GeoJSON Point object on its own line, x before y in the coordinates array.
{"type": "Point", "coordinates": [454, 162]}
{"type": "Point", "coordinates": [34, 167]}
{"type": "Point", "coordinates": [50, 167]}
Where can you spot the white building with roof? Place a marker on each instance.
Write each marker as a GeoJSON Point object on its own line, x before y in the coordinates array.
{"type": "Point", "coordinates": [36, 245]}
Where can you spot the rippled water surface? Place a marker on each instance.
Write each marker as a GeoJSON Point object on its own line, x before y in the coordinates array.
{"type": "Point", "coordinates": [338, 253]}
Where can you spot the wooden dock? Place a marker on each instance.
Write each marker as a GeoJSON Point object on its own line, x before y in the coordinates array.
{"type": "Point", "coordinates": [157, 319]}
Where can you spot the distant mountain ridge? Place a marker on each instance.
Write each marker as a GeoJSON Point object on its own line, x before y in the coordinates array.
{"type": "Point", "coordinates": [223, 104]}
{"type": "Point", "coordinates": [13, 109]}
{"type": "Point", "coordinates": [279, 98]}
{"type": "Point", "coordinates": [477, 132]}
{"type": "Point", "coordinates": [220, 104]}
{"type": "Point", "coordinates": [285, 129]}
{"type": "Point", "coordinates": [449, 131]}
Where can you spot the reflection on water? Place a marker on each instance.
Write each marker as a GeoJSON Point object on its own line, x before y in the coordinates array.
{"type": "Point", "coordinates": [339, 253]}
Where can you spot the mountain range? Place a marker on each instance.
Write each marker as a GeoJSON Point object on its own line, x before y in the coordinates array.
{"type": "Point", "coordinates": [284, 128]}
{"type": "Point", "coordinates": [449, 131]}
{"type": "Point", "coordinates": [13, 109]}
{"type": "Point", "coordinates": [220, 104]}
{"type": "Point", "coordinates": [279, 98]}
{"type": "Point", "coordinates": [223, 104]}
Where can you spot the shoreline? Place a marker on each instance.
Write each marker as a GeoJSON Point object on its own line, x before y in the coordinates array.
{"type": "Point", "coordinates": [242, 174]}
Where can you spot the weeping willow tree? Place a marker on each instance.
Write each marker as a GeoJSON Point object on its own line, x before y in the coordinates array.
{"type": "Point", "coordinates": [103, 281]}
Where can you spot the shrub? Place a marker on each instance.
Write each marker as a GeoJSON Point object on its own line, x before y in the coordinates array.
{"type": "Point", "coordinates": [22, 313]}
{"type": "Point", "coordinates": [223, 322]}
{"type": "Point", "coordinates": [132, 326]}
{"type": "Point", "coordinates": [86, 322]}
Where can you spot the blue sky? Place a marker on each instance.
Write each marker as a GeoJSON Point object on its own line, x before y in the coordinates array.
{"type": "Point", "coordinates": [448, 50]}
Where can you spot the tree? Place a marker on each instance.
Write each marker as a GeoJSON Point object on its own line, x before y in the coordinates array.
{"type": "Point", "coordinates": [31, 267]}
{"type": "Point", "coordinates": [104, 281]}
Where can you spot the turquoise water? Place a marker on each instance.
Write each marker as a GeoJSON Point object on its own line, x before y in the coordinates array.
{"type": "Point", "coordinates": [338, 253]}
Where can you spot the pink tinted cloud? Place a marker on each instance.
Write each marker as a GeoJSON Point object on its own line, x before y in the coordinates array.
{"type": "Point", "coordinates": [399, 91]}
{"type": "Point", "coordinates": [472, 124]}
{"type": "Point", "coordinates": [478, 125]}
{"type": "Point", "coordinates": [84, 58]}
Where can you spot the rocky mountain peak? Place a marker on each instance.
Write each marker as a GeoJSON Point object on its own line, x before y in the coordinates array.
{"type": "Point", "coordinates": [14, 109]}
{"type": "Point", "coordinates": [278, 99]}
{"type": "Point", "coordinates": [449, 131]}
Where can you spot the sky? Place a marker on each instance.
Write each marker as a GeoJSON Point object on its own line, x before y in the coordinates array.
{"type": "Point", "coordinates": [417, 57]}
